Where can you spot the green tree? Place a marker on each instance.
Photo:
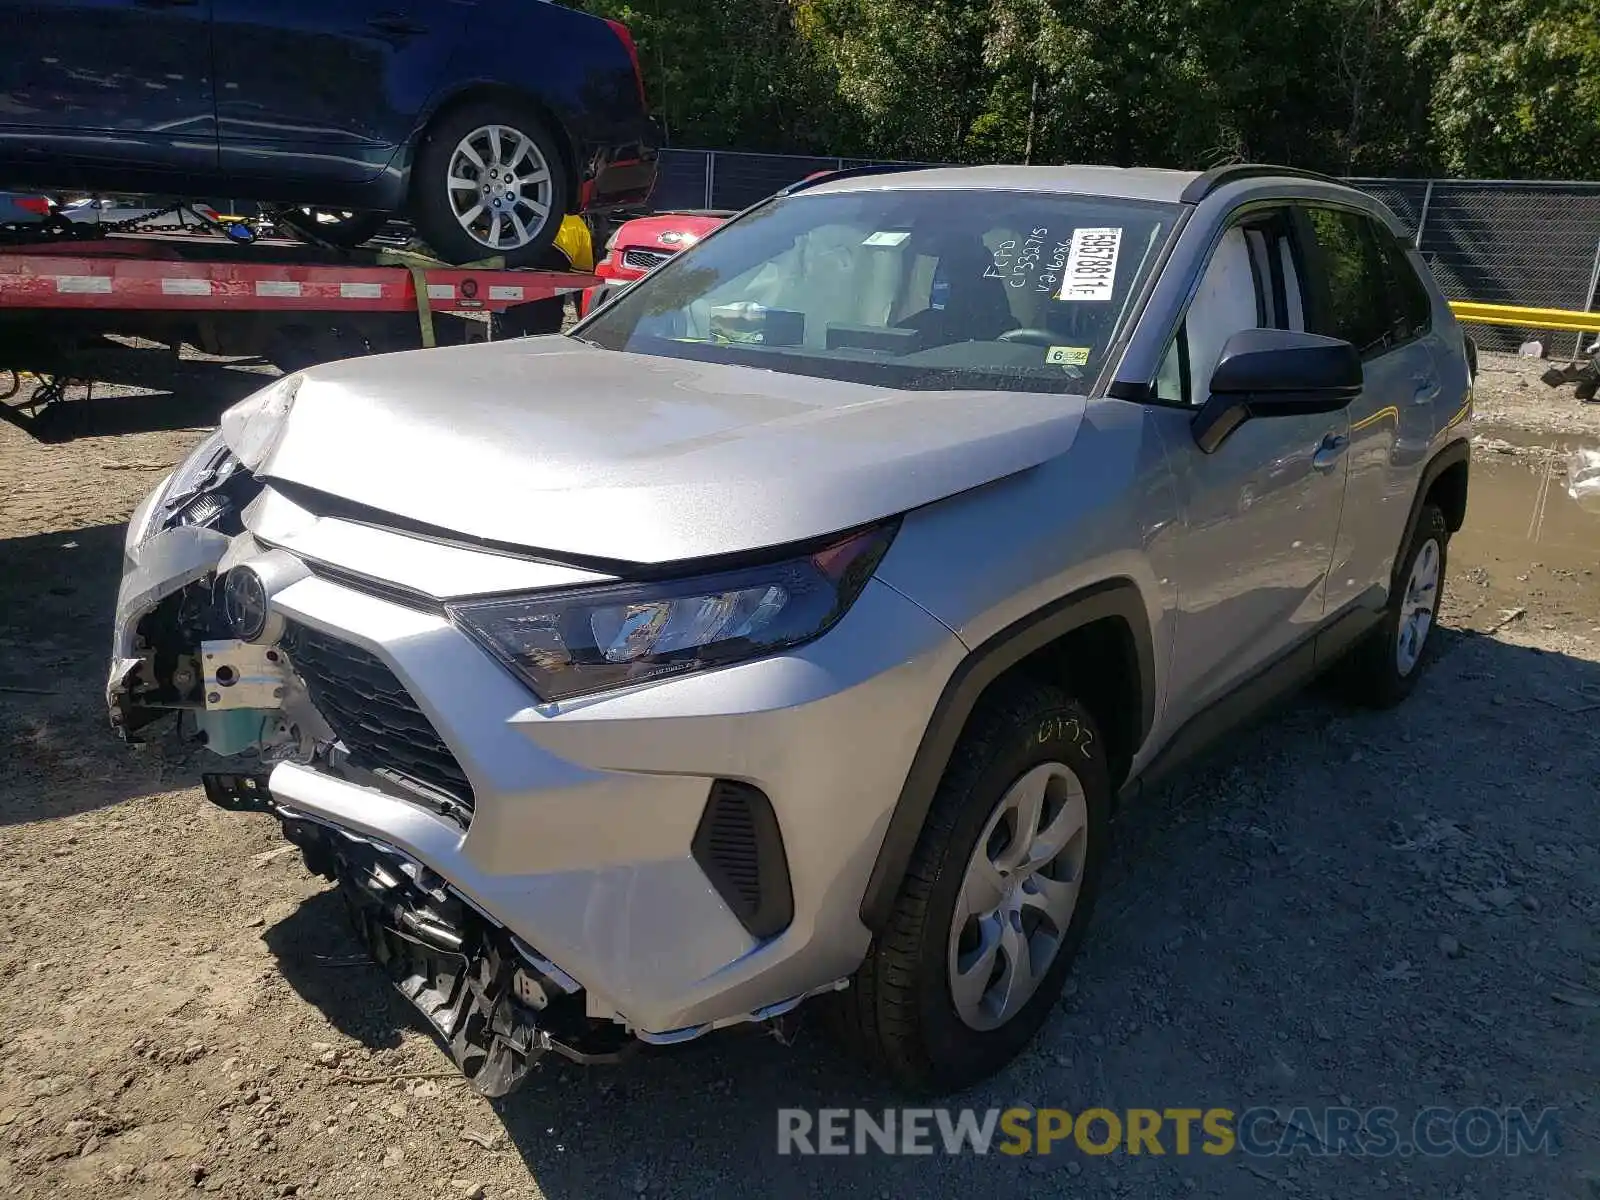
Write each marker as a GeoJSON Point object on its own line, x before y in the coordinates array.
{"type": "Point", "coordinates": [728, 75]}
{"type": "Point", "coordinates": [1484, 87]}
{"type": "Point", "coordinates": [1516, 85]}
{"type": "Point", "coordinates": [907, 77]}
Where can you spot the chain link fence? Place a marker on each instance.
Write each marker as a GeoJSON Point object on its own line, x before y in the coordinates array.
{"type": "Point", "coordinates": [1522, 242]}
{"type": "Point", "coordinates": [733, 180]}
{"type": "Point", "coordinates": [1515, 242]}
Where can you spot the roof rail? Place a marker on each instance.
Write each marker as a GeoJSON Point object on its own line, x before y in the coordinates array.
{"type": "Point", "coordinates": [817, 177]}
{"type": "Point", "coordinates": [1209, 181]}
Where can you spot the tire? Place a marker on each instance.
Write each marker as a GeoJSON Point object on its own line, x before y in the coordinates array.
{"type": "Point", "coordinates": [347, 230]}
{"type": "Point", "coordinates": [432, 207]}
{"type": "Point", "coordinates": [900, 1012]}
{"type": "Point", "coordinates": [1375, 673]}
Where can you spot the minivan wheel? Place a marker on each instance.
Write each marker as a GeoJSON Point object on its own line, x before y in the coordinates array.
{"type": "Point", "coordinates": [996, 899]}
{"type": "Point", "coordinates": [489, 179]}
{"type": "Point", "coordinates": [1381, 670]}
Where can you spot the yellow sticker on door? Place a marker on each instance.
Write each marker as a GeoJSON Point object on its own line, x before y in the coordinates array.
{"type": "Point", "coordinates": [1067, 356]}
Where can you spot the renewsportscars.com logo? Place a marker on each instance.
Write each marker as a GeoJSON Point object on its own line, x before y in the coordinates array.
{"type": "Point", "coordinates": [1258, 1132]}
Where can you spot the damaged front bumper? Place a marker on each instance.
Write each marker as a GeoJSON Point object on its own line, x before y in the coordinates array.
{"type": "Point", "coordinates": [495, 1003]}
{"type": "Point", "coordinates": [534, 877]}
{"type": "Point", "coordinates": [155, 569]}
{"type": "Point", "coordinates": [175, 542]}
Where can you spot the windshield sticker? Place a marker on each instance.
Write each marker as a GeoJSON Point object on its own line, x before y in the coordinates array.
{"type": "Point", "coordinates": [1067, 356]}
{"type": "Point", "coordinates": [1091, 270]}
{"type": "Point", "coordinates": [887, 237]}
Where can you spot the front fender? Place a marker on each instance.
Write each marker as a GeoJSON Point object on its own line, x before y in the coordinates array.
{"type": "Point", "coordinates": [1116, 598]}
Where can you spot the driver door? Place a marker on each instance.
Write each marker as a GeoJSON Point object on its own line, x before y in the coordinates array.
{"type": "Point", "coordinates": [1262, 511]}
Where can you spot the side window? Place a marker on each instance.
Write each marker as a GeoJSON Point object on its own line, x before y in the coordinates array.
{"type": "Point", "coordinates": [1410, 303]}
{"type": "Point", "coordinates": [1172, 384]}
{"type": "Point", "coordinates": [1225, 303]}
{"type": "Point", "coordinates": [1355, 278]}
{"type": "Point", "coordinates": [1251, 282]}
{"type": "Point", "coordinates": [1293, 296]}
{"type": "Point", "coordinates": [1261, 267]}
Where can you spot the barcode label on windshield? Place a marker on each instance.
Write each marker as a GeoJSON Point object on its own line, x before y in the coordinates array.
{"type": "Point", "coordinates": [1091, 270]}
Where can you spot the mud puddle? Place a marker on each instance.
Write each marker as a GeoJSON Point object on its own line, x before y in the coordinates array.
{"type": "Point", "coordinates": [1527, 545]}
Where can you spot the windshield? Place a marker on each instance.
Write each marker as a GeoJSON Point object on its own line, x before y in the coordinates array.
{"type": "Point", "coordinates": [1023, 291]}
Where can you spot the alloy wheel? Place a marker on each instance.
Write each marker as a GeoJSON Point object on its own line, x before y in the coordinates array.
{"type": "Point", "coordinates": [1417, 607]}
{"type": "Point", "coordinates": [1018, 895]}
{"type": "Point", "coordinates": [499, 187]}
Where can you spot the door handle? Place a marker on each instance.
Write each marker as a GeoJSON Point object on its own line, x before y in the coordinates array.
{"type": "Point", "coordinates": [397, 23]}
{"type": "Point", "coordinates": [1329, 451]}
{"type": "Point", "coordinates": [1427, 387]}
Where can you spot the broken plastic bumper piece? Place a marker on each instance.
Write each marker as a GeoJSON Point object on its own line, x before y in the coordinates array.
{"type": "Point", "coordinates": [238, 793]}
{"type": "Point", "coordinates": [496, 1004]}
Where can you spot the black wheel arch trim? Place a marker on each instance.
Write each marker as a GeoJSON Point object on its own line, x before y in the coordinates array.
{"type": "Point", "coordinates": [1457, 453]}
{"type": "Point", "coordinates": [982, 666]}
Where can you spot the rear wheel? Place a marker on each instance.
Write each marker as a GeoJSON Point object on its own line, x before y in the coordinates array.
{"type": "Point", "coordinates": [1382, 669]}
{"type": "Point", "coordinates": [996, 900]}
{"type": "Point", "coordinates": [489, 180]}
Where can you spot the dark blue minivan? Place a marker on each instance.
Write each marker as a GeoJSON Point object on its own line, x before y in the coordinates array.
{"type": "Point", "coordinates": [485, 122]}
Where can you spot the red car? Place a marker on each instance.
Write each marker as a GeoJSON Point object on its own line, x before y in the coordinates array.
{"type": "Point", "coordinates": [18, 209]}
{"type": "Point", "coordinates": [646, 242]}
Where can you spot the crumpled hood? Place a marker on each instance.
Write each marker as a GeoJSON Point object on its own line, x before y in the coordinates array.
{"type": "Point", "coordinates": [553, 445]}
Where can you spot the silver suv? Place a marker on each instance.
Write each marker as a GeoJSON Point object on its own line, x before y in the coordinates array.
{"type": "Point", "coordinates": [799, 621]}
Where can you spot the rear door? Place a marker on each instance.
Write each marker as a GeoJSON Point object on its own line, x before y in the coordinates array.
{"type": "Point", "coordinates": [92, 84]}
{"type": "Point", "coordinates": [328, 89]}
{"type": "Point", "coordinates": [1364, 290]}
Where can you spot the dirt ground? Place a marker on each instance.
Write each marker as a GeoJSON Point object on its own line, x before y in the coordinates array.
{"type": "Point", "coordinates": [1347, 908]}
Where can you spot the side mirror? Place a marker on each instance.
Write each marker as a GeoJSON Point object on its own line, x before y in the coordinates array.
{"type": "Point", "coordinates": [1276, 373]}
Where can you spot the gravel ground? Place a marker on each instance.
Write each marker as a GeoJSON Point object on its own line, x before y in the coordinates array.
{"type": "Point", "coordinates": [1345, 908]}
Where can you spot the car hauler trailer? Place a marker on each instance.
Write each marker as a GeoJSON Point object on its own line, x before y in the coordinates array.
{"type": "Point", "coordinates": [120, 307]}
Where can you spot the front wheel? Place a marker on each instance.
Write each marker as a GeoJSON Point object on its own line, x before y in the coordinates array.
{"type": "Point", "coordinates": [996, 899]}
{"type": "Point", "coordinates": [489, 180]}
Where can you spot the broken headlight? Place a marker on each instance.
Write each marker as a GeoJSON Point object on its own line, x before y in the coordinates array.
{"type": "Point", "coordinates": [209, 466]}
{"type": "Point", "coordinates": [574, 643]}
{"type": "Point", "coordinates": [192, 476]}
{"type": "Point", "coordinates": [209, 490]}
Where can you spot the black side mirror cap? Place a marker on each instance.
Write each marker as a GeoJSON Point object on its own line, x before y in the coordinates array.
{"type": "Point", "coordinates": [1276, 373]}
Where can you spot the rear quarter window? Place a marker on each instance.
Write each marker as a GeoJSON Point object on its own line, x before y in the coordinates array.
{"type": "Point", "coordinates": [1410, 302]}
{"type": "Point", "coordinates": [1356, 298]}
{"type": "Point", "coordinates": [1373, 297]}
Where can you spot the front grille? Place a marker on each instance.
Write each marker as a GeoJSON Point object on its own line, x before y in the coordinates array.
{"type": "Point", "coordinates": [370, 710]}
{"type": "Point", "coordinates": [644, 260]}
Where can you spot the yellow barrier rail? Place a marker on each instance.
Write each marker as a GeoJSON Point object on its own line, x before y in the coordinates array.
{"type": "Point", "coordinates": [1526, 318]}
